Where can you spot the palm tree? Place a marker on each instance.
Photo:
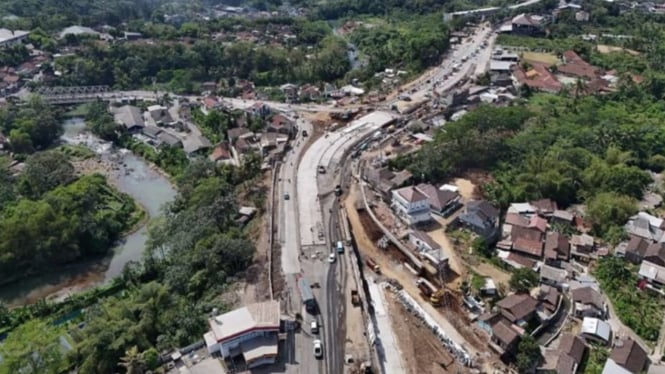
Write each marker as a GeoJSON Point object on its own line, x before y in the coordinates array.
{"type": "Point", "coordinates": [133, 361]}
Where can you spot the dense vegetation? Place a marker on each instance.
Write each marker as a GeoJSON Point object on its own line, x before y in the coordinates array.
{"type": "Point", "coordinates": [181, 67]}
{"type": "Point", "coordinates": [55, 14]}
{"type": "Point", "coordinates": [568, 148]}
{"type": "Point", "coordinates": [412, 44]}
{"type": "Point", "coordinates": [54, 219]}
{"type": "Point", "coordinates": [192, 254]}
{"type": "Point", "coordinates": [640, 311]}
{"type": "Point", "coordinates": [193, 251]}
{"type": "Point", "coordinates": [30, 127]}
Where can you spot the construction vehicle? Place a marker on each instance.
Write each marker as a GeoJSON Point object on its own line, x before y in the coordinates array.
{"type": "Point", "coordinates": [373, 265]}
{"type": "Point", "coordinates": [433, 294]}
{"type": "Point", "coordinates": [306, 295]}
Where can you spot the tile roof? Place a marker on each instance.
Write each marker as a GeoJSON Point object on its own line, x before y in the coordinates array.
{"type": "Point", "coordinates": [629, 355]}
{"type": "Point", "coordinates": [423, 237]}
{"type": "Point", "coordinates": [483, 206]}
{"type": "Point", "coordinates": [556, 245]}
{"type": "Point", "coordinates": [221, 152]}
{"type": "Point", "coordinates": [563, 215]}
{"type": "Point", "coordinates": [504, 333]}
{"type": "Point", "coordinates": [572, 346]}
{"type": "Point", "coordinates": [576, 66]}
{"type": "Point", "coordinates": [411, 194]}
{"type": "Point", "coordinates": [539, 223]}
{"type": "Point", "coordinates": [517, 306]}
{"type": "Point", "coordinates": [538, 77]}
{"type": "Point", "coordinates": [438, 199]}
{"type": "Point", "coordinates": [545, 206]}
{"type": "Point", "coordinates": [587, 295]}
{"type": "Point", "coordinates": [516, 219]}
{"type": "Point", "coordinates": [655, 253]}
{"type": "Point", "coordinates": [553, 274]}
{"type": "Point", "coordinates": [527, 241]}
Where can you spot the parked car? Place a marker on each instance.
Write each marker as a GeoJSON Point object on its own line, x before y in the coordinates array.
{"type": "Point", "coordinates": [314, 327]}
{"type": "Point", "coordinates": [286, 196]}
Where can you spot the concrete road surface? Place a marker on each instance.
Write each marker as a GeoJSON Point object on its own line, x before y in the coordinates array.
{"type": "Point", "coordinates": [289, 224]}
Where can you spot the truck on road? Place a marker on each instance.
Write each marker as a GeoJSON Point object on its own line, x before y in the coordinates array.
{"type": "Point", "coordinates": [307, 295]}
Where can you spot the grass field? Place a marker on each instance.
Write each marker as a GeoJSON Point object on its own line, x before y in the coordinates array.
{"type": "Point", "coordinates": [546, 58]}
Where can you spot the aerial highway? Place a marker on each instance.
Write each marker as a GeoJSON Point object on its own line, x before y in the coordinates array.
{"type": "Point", "coordinates": [310, 175]}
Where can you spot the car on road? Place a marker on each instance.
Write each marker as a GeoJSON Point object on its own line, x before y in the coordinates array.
{"type": "Point", "coordinates": [286, 196]}
{"type": "Point", "coordinates": [331, 258]}
{"type": "Point", "coordinates": [318, 348]}
{"type": "Point", "coordinates": [322, 169]}
{"type": "Point", "coordinates": [314, 327]}
{"type": "Point", "coordinates": [304, 133]}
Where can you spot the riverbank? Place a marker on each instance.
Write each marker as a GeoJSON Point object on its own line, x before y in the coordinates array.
{"type": "Point", "coordinates": [148, 186]}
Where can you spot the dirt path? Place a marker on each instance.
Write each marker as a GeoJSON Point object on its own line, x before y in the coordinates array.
{"type": "Point", "coordinates": [466, 188]}
{"type": "Point", "coordinates": [422, 351]}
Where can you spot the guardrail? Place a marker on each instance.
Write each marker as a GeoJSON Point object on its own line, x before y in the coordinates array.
{"type": "Point", "coordinates": [271, 233]}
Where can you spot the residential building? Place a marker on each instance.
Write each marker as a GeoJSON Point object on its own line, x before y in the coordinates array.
{"type": "Point", "coordinates": [237, 133]}
{"type": "Point", "coordinates": [482, 218]}
{"type": "Point", "coordinates": [553, 276]}
{"type": "Point", "coordinates": [78, 31]}
{"type": "Point", "coordinates": [653, 265]}
{"type": "Point", "coordinates": [545, 207]}
{"type": "Point", "coordinates": [527, 24]}
{"type": "Point", "coordinates": [129, 117]}
{"type": "Point", "coordinates": [250, 332]}
{"type": "Point", "coordinates": [562, 216]}
{"type": "Point", "coordinates": [596, 330]}
{"type": "Point", "coordinates": [169, 139]}
{"type": "Point", "coordinates": [566, 359]}
{"type": "Point", "coordinates": [645, 226]}
{"type": "Point", "coordinates": [582, 16]}
{"type": "Point", "coordinates": [537, 77]}
{"type": "Point", "coordinates": [518, 308]}
{"type": "Point", "coordinates": [309, 92]}
{"type": "Point", "coordinates": [581, 246]}
{"type": "Point", "coordinates": [634, 250]}
{"type": "Point", "coordinates": [260, 109]}
{"type": "Point", "coordinates": [289, 90]}
{"type": "Point", "coordinates": [384, 180]}
{"type": "Point", "coordinates": [221, 154]}
{"type": "Point", "coordinates": [504, 336]}
{"type": "Point", "coordinates": [588, 302]}
{"type": "Point", "coordinates": [527, 241]}
{"type": "Point", "coordinates": [159, 116]}
{"type": "Point", "coordinates": [151, 133]}
{"type": "Point", "coordinates": [627, 357]}
{"type": "Point", "coordinates": [441, 202]}
{"type": "Point", "coordinates": [428, 248]}
{"type": "Point", "coordinates": [279, 123]}
{"type": "Point", "coordinates": [574, 66]}
{"type": "Point", "coordinates": [411, 205]}
{"type": "Point", "coordinates": [557, 248]}
{"type": "Point", "coordinates": [195, 144]}
{"type": "Point", "coordinates": [12, 37]}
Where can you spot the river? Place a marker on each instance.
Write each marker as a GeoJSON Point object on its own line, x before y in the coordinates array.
{"type": "Point", "coordinates": [129, 174]}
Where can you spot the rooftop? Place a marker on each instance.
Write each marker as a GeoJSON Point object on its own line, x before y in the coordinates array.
{"type": "Point", "coordinates": [629, 355]}
{"type": "Point", "coordinates": [518, 306]}
{"type": "Point", "coordinates": [588, 295]}
{"type": "Point", "coordinates": [596, 327]}
{"type": "Point", "coordinates": [6, 34]}
{"type": "Point", "coordinates": [411, 194]}
{"type": "Point", "coordinates": [265, 316]}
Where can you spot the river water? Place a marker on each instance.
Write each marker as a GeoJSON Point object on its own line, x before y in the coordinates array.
{"type": "Point", "coordinates": [129, 174]}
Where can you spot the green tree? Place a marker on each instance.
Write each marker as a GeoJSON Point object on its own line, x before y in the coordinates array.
{"type": "Point", "coordinates": [528, 354]}
{"type": "Point", "coordinates": [45, 171]}
{"type": "Point", "coordinates": [32, 348]}
{"type": "Point", "coordinates": [523, 279]}
{"type": "Point", "coordinates": [608, 209]}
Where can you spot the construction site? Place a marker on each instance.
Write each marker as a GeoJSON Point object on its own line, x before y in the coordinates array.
{"type": "Point", "coordinates": [436, 291]}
